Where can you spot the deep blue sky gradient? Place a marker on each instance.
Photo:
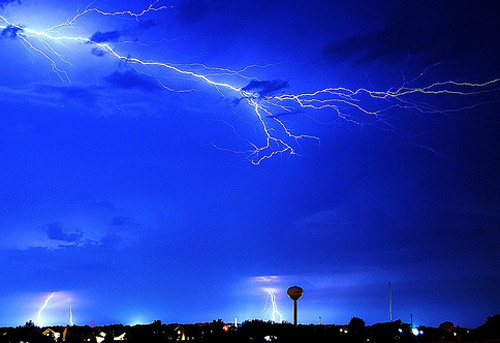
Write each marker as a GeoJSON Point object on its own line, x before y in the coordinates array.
{"type": "Point", "coordinates": [126, 200]}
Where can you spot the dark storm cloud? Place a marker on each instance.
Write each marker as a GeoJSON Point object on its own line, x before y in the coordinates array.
{"type": "Point", "coordinates": [108, 36]}
{"type": "Point", "coordinates": [11, 31]}
{"type": "Point", "coordinates": [194, 11]}
{"type": "Point", "coordinates": [265, 88]}
{"type": "Point", "coordinates": [4, 3]}
{"type": "Point", "coordinates": [56, 232]}
{"type": "Point", "coordinates": [120, 221]}
{"type": "Point", "coordinates": [132, 79]}
{"type": "Point", "coordinates": [429, 30]}
{"type": "Point", "coordinates": [97, 52]}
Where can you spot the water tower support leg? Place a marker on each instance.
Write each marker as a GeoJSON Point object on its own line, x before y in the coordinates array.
{"type": "Point", "coordinates": [295, 312]}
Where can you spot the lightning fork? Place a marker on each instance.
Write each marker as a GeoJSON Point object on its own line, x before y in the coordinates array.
{"type": "Point", "coordinates": [278, 138]}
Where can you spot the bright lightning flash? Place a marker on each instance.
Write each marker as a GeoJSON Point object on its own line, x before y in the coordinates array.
{"type": "Point", "coordinates": [278, 138]}
{"type": "Point", "coordinates": [274, 306]}
{"type": "Point", "coordinates": [47, 300]}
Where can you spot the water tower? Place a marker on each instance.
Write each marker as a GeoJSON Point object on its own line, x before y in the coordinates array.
{"type": "Point", "coordinates": [295, 293]}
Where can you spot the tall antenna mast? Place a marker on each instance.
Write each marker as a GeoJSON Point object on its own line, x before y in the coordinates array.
{"type": "Point", "coordinates": [390, 301]}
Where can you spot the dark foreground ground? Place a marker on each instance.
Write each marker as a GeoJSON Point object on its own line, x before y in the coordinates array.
{"type": "Point", "coordinates": [256, 332]}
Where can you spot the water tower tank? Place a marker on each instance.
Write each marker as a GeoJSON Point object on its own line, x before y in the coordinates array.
{"type": "Point", "coordinates": [295, 293]}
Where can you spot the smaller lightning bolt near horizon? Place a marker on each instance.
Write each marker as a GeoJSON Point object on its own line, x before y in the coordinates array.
{"type": "Point", "coordinates": [39, 316]}
{"type": "Point", "coordinates": [274, 306]}
{"type": "Point", "coordinates": [71, 322]}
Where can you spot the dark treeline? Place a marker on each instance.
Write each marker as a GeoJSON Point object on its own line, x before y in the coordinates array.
{"type": "Point", "coordinates": [256, 331]}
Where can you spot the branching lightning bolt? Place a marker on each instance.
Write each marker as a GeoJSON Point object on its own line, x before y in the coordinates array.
{"type": "Point", "coordinates": [275, 313]}
{"type": "Point", "coordinates": [278, 137]}
{"type": "Point", "coordinates": [47, 300]}
{"type": "Point", "coordinates": [134, 15]}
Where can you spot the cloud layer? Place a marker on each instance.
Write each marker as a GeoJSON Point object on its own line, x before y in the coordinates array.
{"type": "Point", "coordinates": [55, 231]}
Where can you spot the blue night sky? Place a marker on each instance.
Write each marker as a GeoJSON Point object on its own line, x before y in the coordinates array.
{"type": "Point", "coordinates": [134, 191]}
